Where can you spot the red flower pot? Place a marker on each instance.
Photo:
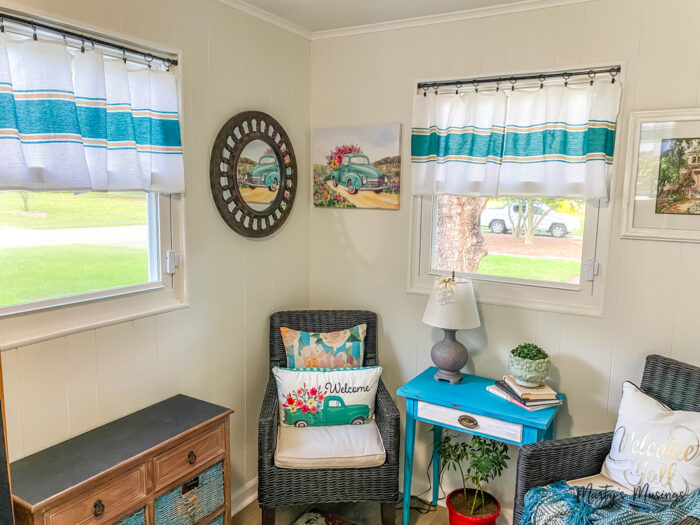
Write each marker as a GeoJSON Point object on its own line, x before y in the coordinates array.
{"type": "Point", "coordinates": [457, 518]}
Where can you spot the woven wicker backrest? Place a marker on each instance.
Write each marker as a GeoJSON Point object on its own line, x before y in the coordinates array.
{"type": "Point", "coordinates": [672, 382]}
{"type": "Point", "coordinates": [322, 321]}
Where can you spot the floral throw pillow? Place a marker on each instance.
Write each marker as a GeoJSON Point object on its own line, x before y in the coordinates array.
{"type": "Point", "coordinates": [321, 397]}
{"type": "Point", "coordinates": [343, 349]}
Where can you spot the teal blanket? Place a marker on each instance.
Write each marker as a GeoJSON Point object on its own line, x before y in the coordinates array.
{"type": "Point", "coordinates": [560, 504]}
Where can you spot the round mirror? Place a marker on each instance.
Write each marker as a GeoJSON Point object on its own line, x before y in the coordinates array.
{"type": "Point", "coordinates": [253, 174]}
{"type": "Point", "coordinates": [258, 174]}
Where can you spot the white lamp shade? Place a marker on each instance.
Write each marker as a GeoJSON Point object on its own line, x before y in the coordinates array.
{"type": "Point", "coordinates": [452, 306]}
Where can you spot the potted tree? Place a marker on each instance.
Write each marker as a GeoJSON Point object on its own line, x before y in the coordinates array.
{"type": "Point", "coordinates": [478, 461]}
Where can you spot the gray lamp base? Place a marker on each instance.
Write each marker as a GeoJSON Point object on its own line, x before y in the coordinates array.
{"type": "Point", "coordinates": [449, 355]}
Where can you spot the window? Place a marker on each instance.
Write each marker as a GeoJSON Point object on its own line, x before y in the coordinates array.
{"type": "Point", "coordinates": [519, 239]}
{"type": "Point", "coordinates": [63, 244]}
{"type": "Point", "coordinates": [510, 186]}
{"type": "Point", "coordinates": [91, 183]}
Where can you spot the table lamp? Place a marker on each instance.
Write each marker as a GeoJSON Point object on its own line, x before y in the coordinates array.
{"type": "Point", "coordinates": [451, 306]}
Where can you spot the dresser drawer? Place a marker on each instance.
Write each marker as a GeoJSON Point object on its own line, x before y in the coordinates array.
{"type": "Point", "coordinates": [103, 504]}
{"type": "Point", "coordinates": [482, 424]}
{"type": "Point", "coordinates": [194, 500]}
{"type": "Point", "coordinates": [186, 458]}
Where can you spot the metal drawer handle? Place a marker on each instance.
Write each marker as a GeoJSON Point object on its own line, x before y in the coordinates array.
{"type": "Point", "coordinates": [191, 457]}
{"type": "Point", "coordinates": [98, 508]}
{"type": "Point", "coordinates": [468, 422]}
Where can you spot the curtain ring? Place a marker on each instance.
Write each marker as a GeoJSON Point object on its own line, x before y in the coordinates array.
{"type": "Point", "coordinates": [2, 25]}
{"type": "Point", "coordinates": [512, 83]}
{"type": "Point", "coordinates": [82, 45]}
{"type": "Point", "coordinates": [92, 43]}
{"type": "Point", "coordinates": [425, 91]}
{"type": "Point", "coordinates": [476, 86]}
{"type": "Point", "coordinates": [34, 30]}
{"type": "Point", "coordinates": [458, 86]}
{"type": "Point", "coordinates": [435, 88]}
{"type": "Point", "coordinates": [613, 74]}
{"type": "Point", "coordinates": [498, 85]}
{"type": "Point", "coordinates": [166, 63]}
{"type": "Point", "coordinates": [148, 58]}
{"type": "Point", "coordinates": [591, 75]}
{"type": "Point", "coordinates": [542, 79]}
{"type": "Point", "coordinates": [124, 55]}
{"type": "Point", "coordinates": [566, 79]}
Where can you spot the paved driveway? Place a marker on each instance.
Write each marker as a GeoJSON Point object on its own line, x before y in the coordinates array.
{"type": "Point", "coordinates": [127, 236]}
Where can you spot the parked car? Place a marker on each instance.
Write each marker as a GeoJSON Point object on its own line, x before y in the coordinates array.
{"type": "Point", "coordinates": [265, 173]}
{"type": "Point", "coordinates": [357, 173]}
{"type": "Point", "coordinates": [334, 411]}
{"type": "Point", "coordinates": [557, 224]}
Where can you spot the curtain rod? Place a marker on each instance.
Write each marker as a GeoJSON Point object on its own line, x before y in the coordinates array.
{"type": "Point", "coordinates": [83, 38]}
{"type": "Point", "coordinates": [512, 79]}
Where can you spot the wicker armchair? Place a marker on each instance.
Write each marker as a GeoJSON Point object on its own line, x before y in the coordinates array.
{"type": "Point", "coordinates": [278, 487]}
{"type": "Point", "coordinates": [674, 383]}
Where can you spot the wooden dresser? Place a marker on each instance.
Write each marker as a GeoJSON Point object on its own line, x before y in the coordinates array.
{"type": "Point", "coordinates": [166, 464]}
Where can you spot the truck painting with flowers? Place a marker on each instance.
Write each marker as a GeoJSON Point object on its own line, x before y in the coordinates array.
{"type": "Point", "coordinates": [357, 166]}
{"type": "Point", "coordinates": [313, 407]}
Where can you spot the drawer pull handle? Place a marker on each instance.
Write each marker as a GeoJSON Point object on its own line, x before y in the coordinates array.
{"type": "Point", "coordinates": [191, 457]}
{"type": "Point", "coordinates": [98, 508]}
{"type": "Point", "coordinates": [190, 485]}
{"type": "Point", "coordinates": [468, 422]}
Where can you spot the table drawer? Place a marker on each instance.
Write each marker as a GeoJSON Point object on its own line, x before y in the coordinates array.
{"type": "Point", "coordinates": [103, 504]}
{"type": "Point", "coordinates": [482, 424]}
{"type": "Point", "coordinates": [186, 458]}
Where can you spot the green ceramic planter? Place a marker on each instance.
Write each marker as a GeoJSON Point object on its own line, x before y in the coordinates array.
{"type": "Point", "coordinates": [527, 372]}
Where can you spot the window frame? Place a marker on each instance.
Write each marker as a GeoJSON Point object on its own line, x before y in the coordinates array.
{"type": "Point", "coordinates": [38, 321]}
{"type": "Point", "coordinates": [586, 298]}
{"type": "Point", "coordinates": [44, 320]}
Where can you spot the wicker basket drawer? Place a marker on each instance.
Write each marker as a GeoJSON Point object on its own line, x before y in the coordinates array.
{"type": "Point", "coordinates": [137, 518]}
{"type": "Point", "coordinates": [219, 520]}
{"type": "Point", "coordinates": [102, 504]}
{"type": "Point", "coordinates": [194, 500]}
{"type": "Point", "coordinates": [183, 460]}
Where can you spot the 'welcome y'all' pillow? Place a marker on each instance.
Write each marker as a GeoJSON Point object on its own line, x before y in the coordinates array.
{"type": "Point", "coordinates": [342, 349]}
{"type": "Point", "coordinates": [655, 450]}
{"type": "Point", "coordinates": [319, 397]}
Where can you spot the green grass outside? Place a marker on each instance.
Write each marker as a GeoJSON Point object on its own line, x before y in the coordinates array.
{"type": "Point", "coordinates": [45, 272]}
{"type": "Point", "coordinates": [527, 268]}
{"type": "Point", "coordinates": [53, 210]}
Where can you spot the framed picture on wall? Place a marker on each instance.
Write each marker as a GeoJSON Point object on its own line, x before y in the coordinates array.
{"type": "Point", "coordinates": [357, 166]}
{"type": "Point", "coordinates": [662, 185]}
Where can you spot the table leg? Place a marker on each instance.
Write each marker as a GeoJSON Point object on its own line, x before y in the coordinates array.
{"type": "Point", "coordinates": [410, 441]}
{"type": "Point", "coordinates": [437, 437]}
{"type": "Point", "coordinates": [549, 433]}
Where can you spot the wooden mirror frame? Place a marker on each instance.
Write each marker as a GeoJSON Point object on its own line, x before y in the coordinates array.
{"type": "Point", "coordinates": [233, 137]}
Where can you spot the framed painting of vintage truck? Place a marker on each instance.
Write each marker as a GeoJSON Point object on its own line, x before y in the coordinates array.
{"type": "Point", "coordinates": [357, 167]}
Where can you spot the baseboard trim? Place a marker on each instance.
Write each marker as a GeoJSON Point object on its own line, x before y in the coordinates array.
{"type": "Point", "coordinates": [244, 496]}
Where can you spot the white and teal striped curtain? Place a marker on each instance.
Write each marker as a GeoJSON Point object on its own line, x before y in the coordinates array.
{"type": "Point", "coordinates": [81, 121]}
{"type": "Point", "coordinates": [557, 141]}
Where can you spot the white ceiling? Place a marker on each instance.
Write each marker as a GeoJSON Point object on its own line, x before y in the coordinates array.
{"type": "Point", "coordinates": [324, 15]}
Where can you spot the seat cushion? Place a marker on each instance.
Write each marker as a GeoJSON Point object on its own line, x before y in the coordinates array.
{"type": "Point", "coordinates": [339, 446]}
{"type": "Point", "coordinates": [599, 482]}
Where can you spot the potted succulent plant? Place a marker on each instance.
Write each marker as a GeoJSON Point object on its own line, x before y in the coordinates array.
{"type": "Point", "coordinates": [528, 364]}
{"type": "Point", "coordinates": [478, 461]}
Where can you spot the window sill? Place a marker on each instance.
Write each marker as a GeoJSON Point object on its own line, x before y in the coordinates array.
{"type": "Point", "coordinates": [40, 325]}
{"type": "Point", "coordinates": [547, 299]}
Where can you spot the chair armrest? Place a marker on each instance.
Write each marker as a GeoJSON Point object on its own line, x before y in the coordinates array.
{"type": "Point", "coordinates": [389, 423]}
{"type": "Point", "coordinates": [542, 463]}
{"type": "Point", "coordinates": [267, 426]}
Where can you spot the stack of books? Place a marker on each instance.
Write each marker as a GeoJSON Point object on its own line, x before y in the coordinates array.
{"type": "Point", "coordinates": [528, 398]}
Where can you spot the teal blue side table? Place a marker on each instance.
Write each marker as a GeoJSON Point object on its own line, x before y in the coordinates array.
{"type": "Point", "coordinates": [465, 407]}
